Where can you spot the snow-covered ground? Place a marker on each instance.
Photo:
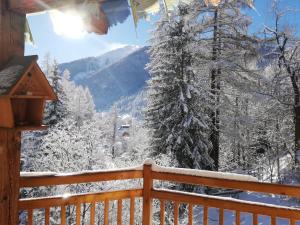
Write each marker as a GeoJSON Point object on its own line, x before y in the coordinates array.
{"type": "Point", "coordinates": [245, 218]}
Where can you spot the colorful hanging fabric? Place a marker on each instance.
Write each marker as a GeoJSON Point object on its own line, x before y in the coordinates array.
{"type": "Point", "coordinates": [27, 34]}
{"type": "Point", "coordinates": [170, 4]}
{"type": "Point", "coordinates": [212, 2]}
{"type": "Point", "coordinates": [94, 18]}
{"type": "Point", "coordinates": [116, 11]}
{"type": "Point", "coordinates": [217, 2]}
{"type": "Point", "coordinates": [250, 3]}
{"type": "Point", "coordinates": [142, 8]}
{"type": "Point", "coordinates": [99, 15]}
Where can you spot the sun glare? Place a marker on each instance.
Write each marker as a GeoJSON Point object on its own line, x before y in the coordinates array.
{"type": "Point", "coordinates": [68, 24]}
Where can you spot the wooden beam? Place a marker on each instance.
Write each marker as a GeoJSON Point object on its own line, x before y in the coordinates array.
{"type": "Point", "coordinates": [12, 26]}
{"type": "Point", "coordinates": [10, 145]}
{"type": "Point", "coordinates": [34, 6]}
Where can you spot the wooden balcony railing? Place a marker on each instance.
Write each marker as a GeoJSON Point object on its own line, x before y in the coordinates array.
{"type": "Point", "coordinates": [161, 199]}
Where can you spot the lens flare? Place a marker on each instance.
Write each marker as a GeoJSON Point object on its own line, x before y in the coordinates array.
{"type": "Point", "coordinates": [68, 24]}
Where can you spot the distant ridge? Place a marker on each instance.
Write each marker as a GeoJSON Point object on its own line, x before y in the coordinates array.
{"type": "Point", "coordinates": [111, 76]}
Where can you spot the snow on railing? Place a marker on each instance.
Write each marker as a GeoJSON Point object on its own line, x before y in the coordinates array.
{"type": "Point", "coordinates": [200, 173]}
{"type": "Point", "coordinates": [156, 168]}
{"type": "Point", "coordinates": [84, 172]}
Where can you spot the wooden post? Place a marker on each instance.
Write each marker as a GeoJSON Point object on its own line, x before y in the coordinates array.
{"type": "Point", "coordinates": [10, 145]}
{"type": "Point", "coordinates": [147, 199]}
{"type": "Point", "coordinates": [12, 27]}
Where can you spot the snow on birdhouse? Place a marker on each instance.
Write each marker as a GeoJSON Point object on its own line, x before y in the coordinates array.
{"type": "Point", "coordinates": [23, 92]}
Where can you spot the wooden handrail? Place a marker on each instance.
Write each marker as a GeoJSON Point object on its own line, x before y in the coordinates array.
{"type": "Point", "coordinates": [279, 189]}
{"type": "Point", "coordinates": [88, 177]}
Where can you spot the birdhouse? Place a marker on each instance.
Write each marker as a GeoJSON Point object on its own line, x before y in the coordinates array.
{"type": "Point", "coordinates": [23, 92]}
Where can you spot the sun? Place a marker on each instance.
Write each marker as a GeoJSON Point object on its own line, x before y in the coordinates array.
{"type": "Point", "coordinates": [68, 24]}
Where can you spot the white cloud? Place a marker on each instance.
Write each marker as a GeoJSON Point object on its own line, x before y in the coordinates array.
{"type": "Point", "coordinates": [109, 46]}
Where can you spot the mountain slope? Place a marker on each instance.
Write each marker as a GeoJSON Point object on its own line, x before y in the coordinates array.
{"type": "Point", "coordinates": [124, 78]}
{"type": "Point", "coordinates": [112, 76]}
{"type": "Point", "coordinates": [83, 68]}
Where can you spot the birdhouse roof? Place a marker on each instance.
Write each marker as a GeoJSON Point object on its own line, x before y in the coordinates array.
{"type": "Point", "coordinates": [13, 72]}
{"type": "Point", "coordinates": [12, 75]}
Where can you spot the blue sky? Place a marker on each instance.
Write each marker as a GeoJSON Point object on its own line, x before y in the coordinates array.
{"type": "Point", "coordinates": [66, 49]}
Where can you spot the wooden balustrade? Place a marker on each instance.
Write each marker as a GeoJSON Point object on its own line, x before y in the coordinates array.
{"type": "Point", "coordinates": [194, 204]}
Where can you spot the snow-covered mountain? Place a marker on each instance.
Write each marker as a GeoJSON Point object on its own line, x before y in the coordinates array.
{"type": "Point", "coordinates": [111, 76]}
{"type": "Point", "coordinates": [83, 68]}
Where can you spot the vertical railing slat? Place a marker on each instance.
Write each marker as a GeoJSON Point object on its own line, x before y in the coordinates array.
{"type": "Point", "coordinates": [30, 216]}
{"type": "Point", "coordinates": [273, 220]}
{"type": "Point", "coordinates": [106, 212]}
{"type": "Point", "coordinates": [119, 217]}
{"type": "Point", "coordinates": [292, 221]}
{"type": "Point", "coordinates": [176, 209]}
{"type": "Point", "coordinates": [132, 208]}
{"type": "Point", "coordinates": [162, 212]}
{"type": "Point", "coordinates": [255, 219]}
{"type": "Point", "coordinates": [78, 213]}
{"type": "Point", "coordinates": [221, 216]}
{"type": "Point", "coordinates": [237, 218]}
{"type": "Point", "coordinates": [205, 215]}
{"type": "Point", "coordinates": [191, 214]}
{"type": "Point", "coordinates": [92, 215]}
{"type": "Point", "coordinates": [63, 214]}
{"type": "Point", "coordinates": [47, 216]}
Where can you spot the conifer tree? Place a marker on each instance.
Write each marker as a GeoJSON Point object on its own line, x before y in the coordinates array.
{"type": "Point", "coordinates": [56, 110]}
{"type": "Point", "coordinates": [175, 114]}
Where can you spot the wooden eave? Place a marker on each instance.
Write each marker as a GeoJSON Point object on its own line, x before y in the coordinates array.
{"type": "Point", "coordinates": [35, 6]}
{"type": "Point", "coordinates": [98, 26]}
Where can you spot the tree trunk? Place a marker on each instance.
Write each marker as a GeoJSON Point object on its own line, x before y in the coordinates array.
{"type": "Point", "coordinates": [12, 27]}
{"type": "Point", "coordinates": [297, 133]}
{"type": "Point", "coordinates": [115, 120]}
{"type": "Point", "coordinates": [215, 91]}
{"type": "Point", "coordinates": [237, 151]}
{"type": "Point", "coordinates": [278, 153]}
{"type": "Point", "coordinates": [294, 81]}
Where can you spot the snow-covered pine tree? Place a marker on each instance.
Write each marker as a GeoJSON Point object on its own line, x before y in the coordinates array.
{"type": "Point", "coordinates": [175, 114]}
{"type": "Point", "coordinates": [161, 77]}
{"type": "Point", "coordinates": [223, 52]}
{"type": "Point", "coordinates": [56, 110]}
{"type": "Point", "coordinates": [80, 104]}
